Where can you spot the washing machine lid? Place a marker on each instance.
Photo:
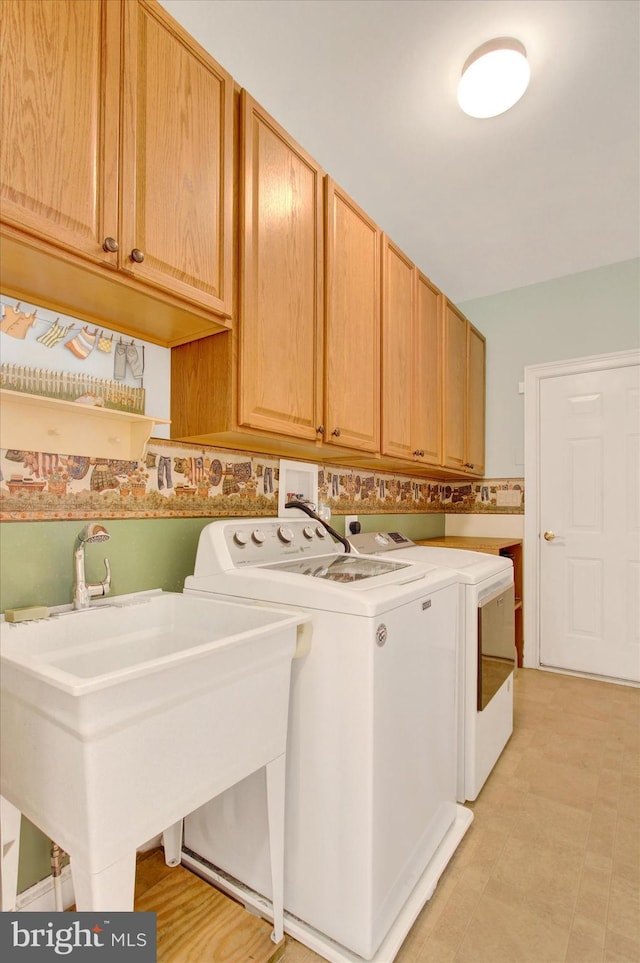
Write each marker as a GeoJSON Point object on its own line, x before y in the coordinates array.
{"type": "Point", "coordinates": [340, 568]}
{"type": "Point", "coordinates": [364, 597]}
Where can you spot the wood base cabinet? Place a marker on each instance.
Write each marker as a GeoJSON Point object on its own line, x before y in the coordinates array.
{"type": "Point", "coordinates": [116, 167]}
{"type": "Point", "coordinates": [463, 398]}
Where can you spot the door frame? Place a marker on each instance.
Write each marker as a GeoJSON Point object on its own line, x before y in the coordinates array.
{"type": "Point", "coordinates": [534, 375]}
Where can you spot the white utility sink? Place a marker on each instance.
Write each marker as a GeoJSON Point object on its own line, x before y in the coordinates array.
{"type": "Point", "coordinates": [82, 651]}
{"type": "Point", "coordinates": [120, 719]}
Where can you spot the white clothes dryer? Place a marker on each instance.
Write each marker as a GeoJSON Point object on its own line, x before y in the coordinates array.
{"type": "Point", "coordinates": [371, 812]}
{"type": "Point", "coordinates": [487, 654]}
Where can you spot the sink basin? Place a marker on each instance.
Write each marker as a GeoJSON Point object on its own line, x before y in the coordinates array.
{"type": "Point", "coordinates": [82, 651]}
{"type": "Point", "coordinates": [120, 719]}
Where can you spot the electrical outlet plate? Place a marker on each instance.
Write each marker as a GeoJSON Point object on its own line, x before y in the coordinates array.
{"type": "Point", "coordinates": [347, 520]}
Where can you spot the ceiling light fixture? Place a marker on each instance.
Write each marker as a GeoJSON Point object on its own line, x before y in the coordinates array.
{"type": "Point", "coordinates": [494, 78]}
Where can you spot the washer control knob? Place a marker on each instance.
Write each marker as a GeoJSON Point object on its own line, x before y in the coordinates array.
{"type": "Point", "coordinates": [307, 531]}
{"type": "Point", "coordinates": [321, 532]}
{"type": "Point", "coordinates": [382, 539]}
{"type": "Point", "coordinates": [240, 537]}
{"type": "Point", "coordinates": [285, 534]}
{"type": "Point", "coordinates": [258, 536]}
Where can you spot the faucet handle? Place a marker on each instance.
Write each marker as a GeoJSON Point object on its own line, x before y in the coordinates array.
{"type": "Point", "coordinates": [104, 587]}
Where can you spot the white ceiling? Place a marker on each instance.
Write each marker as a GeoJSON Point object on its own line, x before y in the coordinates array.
{"type": "Point", "coordinates": [368, 87]}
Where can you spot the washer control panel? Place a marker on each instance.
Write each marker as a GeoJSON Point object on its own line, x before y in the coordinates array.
{"type": "Point", "coordinates": [373, 543]}
{"type": "Point", "coordinates": [253, 541]}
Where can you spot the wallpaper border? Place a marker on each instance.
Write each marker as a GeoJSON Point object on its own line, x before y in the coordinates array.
{"type": "Point", "coordinates": [181, 480]}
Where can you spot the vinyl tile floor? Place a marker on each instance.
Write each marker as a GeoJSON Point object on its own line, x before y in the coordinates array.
{"type": "Point", "coordinates": [549, 870]}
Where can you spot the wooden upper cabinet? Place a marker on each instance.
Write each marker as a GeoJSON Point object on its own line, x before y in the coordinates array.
{"type": "Point", "coordinates": [475, 440]}
{"type": "Point", "coordinates": [398, 365]}
{"type": "Point", "coordinates": [177, 161]}
{"type": "Point", "coordinates": [116, 175]}
{"type": "Point", "coordinates": [352, 327]}
{"type": "Point", "coordinates": [454, 387]}
{"type": "Point", "coordinates": [427, 407]}
{"type": "Point", "coordinates": [411, 361]}
{"type": "Point", "coordinates": [281, 280]}
{"type": "Point", "coordinates": [463, 412]}
{"type": "Point", "coordinates": [60, 122]}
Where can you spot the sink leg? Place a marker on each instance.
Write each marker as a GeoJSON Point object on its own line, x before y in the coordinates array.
{"type": "Point", "coordinates": [110, 890]}
{"type": "Point", "coordinates": [275, 808]}
{"type": "Point", "coordinates": [10, 819]}
{"type": "Point", "coordinates": [172, 842]}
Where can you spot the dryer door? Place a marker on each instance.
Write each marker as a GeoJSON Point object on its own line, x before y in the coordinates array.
{"type": "Point", "coordinates": [496, 644]}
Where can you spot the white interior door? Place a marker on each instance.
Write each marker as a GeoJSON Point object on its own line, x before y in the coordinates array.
{"type": "Point", "coordinates": [589, 521]}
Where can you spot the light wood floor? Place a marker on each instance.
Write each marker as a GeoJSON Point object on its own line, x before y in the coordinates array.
{"type": "Point", "coordinates": [196, 923]}
{"type": "Point", "coordinates": [548, 872]}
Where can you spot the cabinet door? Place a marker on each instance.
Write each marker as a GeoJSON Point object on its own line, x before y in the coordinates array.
{"type": "Point", "coordinates": [177, 161]}
{"type": "Point", "coordinates": [474, 446]}
{"type": "Point", "coordinates": [59, 146]}
{"type": "Point", "coordinates": [352, 329]}
{"type": "Point", "coordinates": [454, 395]}
{"type": "Point", "coordinates": [427, 355]}
{"type": "Point", "coordinates": [398, 362]}
{"type": "Point", "coordinates": [280, 327]}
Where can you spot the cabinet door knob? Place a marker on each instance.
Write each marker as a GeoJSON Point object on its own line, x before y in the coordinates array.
{"type": "Point", "coordinates": [110, 245]}
{"type": "Point", "coordinates": [320, 430]}
{"type": "Point", "coordinates": [137, 255]}
{"type": "Point", "coordinates": [336, 432]}
{"type": "Point", "coordinates": [467, 465]}
{"type": "Point", "coordinates": [419, 453]}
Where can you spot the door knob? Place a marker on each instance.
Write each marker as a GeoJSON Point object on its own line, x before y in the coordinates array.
{"type": "Point", "coordinates": [549, 536]}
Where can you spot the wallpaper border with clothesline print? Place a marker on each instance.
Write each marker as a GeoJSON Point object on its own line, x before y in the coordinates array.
{"type": "Point", "coordinates": [178, 480]}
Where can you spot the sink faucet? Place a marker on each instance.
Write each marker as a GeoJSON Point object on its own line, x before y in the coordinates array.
{"type": "Point", "coordinates": [83, 593]}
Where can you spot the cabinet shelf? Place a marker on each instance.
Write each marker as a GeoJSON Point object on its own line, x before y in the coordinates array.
{"type": "Point", "coordinates": [35, 423]}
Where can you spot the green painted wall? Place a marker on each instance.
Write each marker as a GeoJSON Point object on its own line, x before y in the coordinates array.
{"type": "Point", "coordinates": [36, 558]}
{"type": "Point", "coordinates": [36, 566]}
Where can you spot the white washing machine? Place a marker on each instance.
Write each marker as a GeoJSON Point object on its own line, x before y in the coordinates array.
{"type": "Point", "coordinates": [487, 648]}
{"type": "Point", "coordinates": [371, 812]}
